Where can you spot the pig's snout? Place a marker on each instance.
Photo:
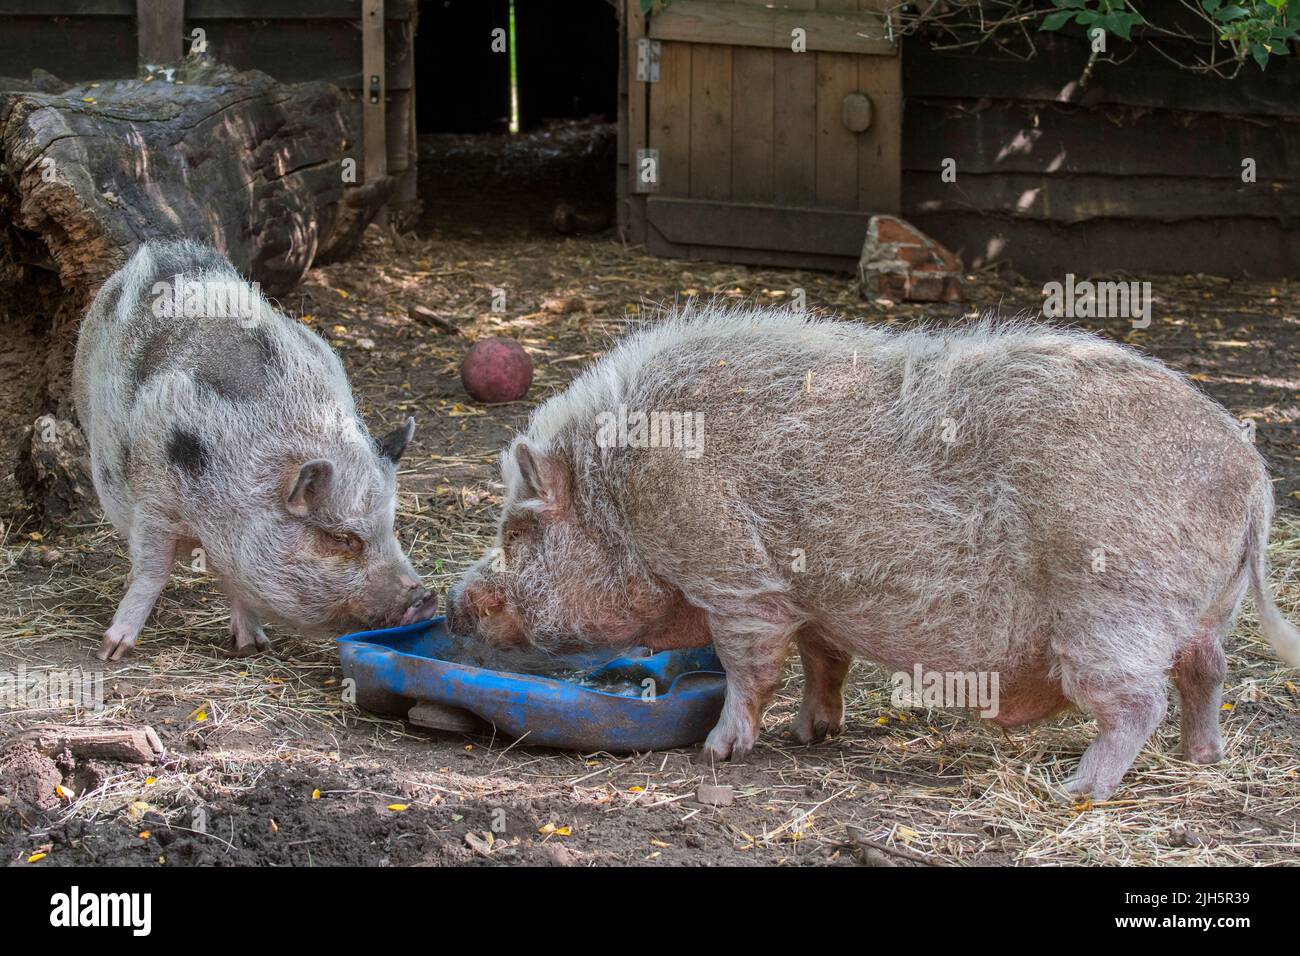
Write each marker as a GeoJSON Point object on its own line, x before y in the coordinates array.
{"type": "Point", "coordinates": [422, 603]}
{"type": "Point", "coordinates": [470, 603]}
{"type": "Point", "coordinates": [477, 609]}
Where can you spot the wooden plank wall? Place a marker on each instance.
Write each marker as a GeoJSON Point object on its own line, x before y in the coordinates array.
{"type": "Point", "coordinates": [1139, 172]}
{"type": "Point", "coordinates": [76, 40]}
{"type": "Point", "coordinates": [160, 27]}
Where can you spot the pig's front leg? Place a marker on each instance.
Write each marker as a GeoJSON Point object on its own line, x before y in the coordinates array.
{"type": "Point", "coordinates": [152, 552]}
{"type": "Point", "coordinates": [752, 640]}
{"type": "Point", "coordinates": [246, 631]}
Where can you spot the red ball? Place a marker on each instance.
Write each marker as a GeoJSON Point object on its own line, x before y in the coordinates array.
{"type": "Point", "coordinates": [496, 370]}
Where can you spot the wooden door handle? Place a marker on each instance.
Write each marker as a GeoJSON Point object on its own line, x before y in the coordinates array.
{"type": "Point", "coordinates": [856, 112]}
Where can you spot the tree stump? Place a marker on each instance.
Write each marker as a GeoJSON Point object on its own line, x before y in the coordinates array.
{"type": "Point", "coordinates": [53, 471]}
{"type": "Point", "coordinates": [252, 166]}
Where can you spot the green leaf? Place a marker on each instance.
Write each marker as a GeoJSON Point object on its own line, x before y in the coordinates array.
{"type": "Point", "coordinates": [1228, 14]}
{"type": "Point", "coordinates": [1054, 21]}
{"type": "Point", "coordinates": [1260, 53]}
{"type": "Point", "coordinates": [1120, 23]}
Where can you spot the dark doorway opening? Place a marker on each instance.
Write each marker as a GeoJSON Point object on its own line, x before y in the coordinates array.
{"type": "Point", "coordinates": [462, 86]}
{"type": "Point", "coordinates": [556, 170]}
{"type": "Point", "coordinates": [568, 61]}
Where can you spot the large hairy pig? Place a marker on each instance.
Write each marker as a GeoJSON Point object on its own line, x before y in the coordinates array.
{"type": "Point", "coordinates": [216, 422]}
{"type": "Point", "coordinates": [1000, 498]}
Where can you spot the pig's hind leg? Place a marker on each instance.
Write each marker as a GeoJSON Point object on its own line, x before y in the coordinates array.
{"type": "Point", "coordinates": [152, 552]}
{"type": "Point", "coordinates": [821, 711]}
{"type": "Point", "coordinates": [1198, 674]}
{"type": "Point", "coordinates": [752, 639]}
{"type": "Point", "coordinates": [1199, 670]}
{"type": "Point", "coordinates": [1125, 721]}
{"type": "Point", "coordinates": [1127, 698]}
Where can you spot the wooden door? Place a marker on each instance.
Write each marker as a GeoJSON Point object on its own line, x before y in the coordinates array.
{"type": "Point", "coordinates": [762, 133]}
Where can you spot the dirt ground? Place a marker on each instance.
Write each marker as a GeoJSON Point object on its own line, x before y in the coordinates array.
{"type": "Point", "coordinates": [266, 764]}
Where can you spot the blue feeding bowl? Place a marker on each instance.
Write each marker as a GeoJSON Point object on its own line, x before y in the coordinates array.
{"type": "Point", "coordinates": [637, 700]}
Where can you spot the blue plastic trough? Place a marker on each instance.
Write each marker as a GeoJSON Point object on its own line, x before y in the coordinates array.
{"type": "Point", "coordinates": [603, 703]}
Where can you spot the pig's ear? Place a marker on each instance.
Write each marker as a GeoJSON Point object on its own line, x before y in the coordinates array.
{"type": "Point", "coordinates": [309, 487]}
{"type": "Point", "coordinates": [392, 445]}
{"type": "Point", "coordinates": [541, 477]}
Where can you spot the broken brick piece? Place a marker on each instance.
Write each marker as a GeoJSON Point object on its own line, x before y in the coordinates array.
{"type": "Point", "coordinates": [900, 262]}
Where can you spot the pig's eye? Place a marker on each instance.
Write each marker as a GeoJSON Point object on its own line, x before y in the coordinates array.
{"type": "Point", "coordinates": [348, 543]}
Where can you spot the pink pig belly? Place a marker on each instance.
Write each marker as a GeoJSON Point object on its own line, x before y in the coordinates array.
{"type": "Point", "coordinates": [1026, 698]}
{"type": "Point", "coordinates": [1027, 689]}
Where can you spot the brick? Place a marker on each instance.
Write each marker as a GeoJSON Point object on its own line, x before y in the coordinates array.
{"type": "Point", "coordinates": [901, 262]}
{"type": "Point", "coordinates": [889, 229]}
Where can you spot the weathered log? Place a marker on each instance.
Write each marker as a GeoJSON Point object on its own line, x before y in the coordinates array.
{"type": "Point", "coordinates": [255, 167]}
{"type": "Point", "coordinates": [125, 744]}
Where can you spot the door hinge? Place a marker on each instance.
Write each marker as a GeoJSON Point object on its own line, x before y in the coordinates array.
{"type": "Point", "coordinates": [647, 60]}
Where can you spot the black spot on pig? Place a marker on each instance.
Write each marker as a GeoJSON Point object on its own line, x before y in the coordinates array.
{"type": "Point", "coordinates": [157, 348]}
{"type": "Point", "coordinates": [187, 452]}
{"type": "Point", "coordinates": [234, 362]}
{"type": "Point", "coordinates": [124, 461]}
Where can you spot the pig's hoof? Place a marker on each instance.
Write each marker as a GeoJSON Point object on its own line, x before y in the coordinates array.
{"type": "Point", "coordinates": [1073, 787]}
{"type": "Point", "coordinates": [706, 755]}
{"type": "Point", "coordinates": [1204, 753]}
{"type": "Point", "coordinates": [251, 649]}
{"type": "Point", "coordinates": [806, 729]}
{"type": "Point", "coordinates": [723, 744]}
{"type": "Point", "coordinates": [1085, 787]}
{"type": "Point", "coordinates": [247, 643]}
{"type": "Point", "coordinates": [246, 650]}
{"type": "Point", "coordinates": [118, 643]}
